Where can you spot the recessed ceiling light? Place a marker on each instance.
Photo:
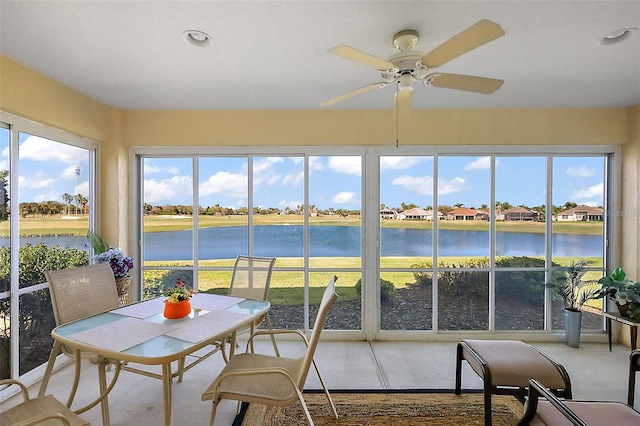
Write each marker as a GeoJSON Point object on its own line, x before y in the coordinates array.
{"type": "Point", "coordinates": [196, 38]}
{"type": "Point", "coordinates": [616, 36]}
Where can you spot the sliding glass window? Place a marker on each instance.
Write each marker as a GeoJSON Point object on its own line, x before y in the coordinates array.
{"type": "Point", "coordinates": [462, 241]}
{"type": "Point", "coordinates": [46, 208]}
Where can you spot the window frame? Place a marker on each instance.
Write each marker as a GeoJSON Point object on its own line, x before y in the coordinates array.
{"type": "Point", "coordinates": [16, 126]}
{"type": "Point", "coordinates": [371, 202]}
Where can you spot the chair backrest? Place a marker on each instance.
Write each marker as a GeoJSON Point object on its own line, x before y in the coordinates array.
{"type": "Point", "coordinates": [252, 277]}
{"type": "Point", "coordinates": [328, 298]}
{"type": "Point", "coordinates": [82, 291]}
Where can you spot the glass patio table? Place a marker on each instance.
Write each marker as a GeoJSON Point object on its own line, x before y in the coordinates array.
{"type": "Point", "coordinates": [139, 333]}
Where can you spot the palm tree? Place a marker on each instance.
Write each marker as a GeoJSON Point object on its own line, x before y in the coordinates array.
{"type": "Point", "coordinates": [67, 198]}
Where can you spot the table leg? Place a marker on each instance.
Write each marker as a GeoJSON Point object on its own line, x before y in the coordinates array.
{"type": "Point", "coordinates": [102, 379]}
{"type": "Point", "coordinates": [47, 373]}
{"type": "Point", "coordinates": [166, 392]}
{"type": "Point", "coordinates": [609, 331]}
{"type": "Point", "coordinates": [634, 336]}
{"type": "Point", "coordinates": [76, 377]}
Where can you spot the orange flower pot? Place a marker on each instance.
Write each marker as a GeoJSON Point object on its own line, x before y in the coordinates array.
{"type": "Point", "coordinates": [177, 310]}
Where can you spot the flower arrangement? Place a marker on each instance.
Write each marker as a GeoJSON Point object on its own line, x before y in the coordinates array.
{"type": "Point", "coordinates": [179, 293]}
{"type": "Point", "coordinates": [624, 292]}
{"type": "Point", "coordinates": [119, 262]}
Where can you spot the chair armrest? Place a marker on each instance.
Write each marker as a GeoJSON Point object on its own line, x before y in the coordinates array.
{"type": "Point", "coordinates": [23, 388]}
{"type": "Point", "coordinates": [276, 332]}
{"type": "Point", "coordinates": [537, 390]}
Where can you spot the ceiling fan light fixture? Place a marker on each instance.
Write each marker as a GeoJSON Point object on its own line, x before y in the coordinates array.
{"type": "Point", "coordinates": [616, 36]}
{"type": "Point", "coordinates": [196, 38]}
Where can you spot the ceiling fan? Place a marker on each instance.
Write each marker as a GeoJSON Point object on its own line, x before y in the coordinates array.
{"type": "Point", "coordinates": [409, 66]}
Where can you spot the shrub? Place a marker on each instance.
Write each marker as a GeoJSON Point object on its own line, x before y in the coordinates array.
{"type": "Point", "coordinates": [423, 278]}
{"type": "Point", "coordinates": [387, 290]}
{"type": "Point", "coordinates": [527, 286]}
{"type": "Point", "coordinates": [36, 314]}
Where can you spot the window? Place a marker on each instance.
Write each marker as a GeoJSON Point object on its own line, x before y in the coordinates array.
{"type": "Point", "coordinates": [48, 190]}
{"type": "Point", "coordinates": [304, 210]}
{"type": "Point", "coordinates": [430, 241]}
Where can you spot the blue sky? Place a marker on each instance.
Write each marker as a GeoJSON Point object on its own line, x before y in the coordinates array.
{"type": "Point", "coordinates": [48, 170]}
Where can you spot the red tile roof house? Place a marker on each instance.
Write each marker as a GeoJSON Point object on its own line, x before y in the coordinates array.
{"type": "Point", "coordinates": [464, 213]}
{"type": "Point", "coordinates": [581, 213]}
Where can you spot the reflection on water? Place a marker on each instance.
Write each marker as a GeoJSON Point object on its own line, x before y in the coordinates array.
{"type": "Point", "coordinates": [337, 241]}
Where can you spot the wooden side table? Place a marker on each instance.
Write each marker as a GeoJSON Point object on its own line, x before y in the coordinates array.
{"type": "Point", "coordinates": [633, 327]}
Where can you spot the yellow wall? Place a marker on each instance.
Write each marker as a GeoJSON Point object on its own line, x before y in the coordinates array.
{"type": "Point", "coordinates": [588, 126]}
{"type": "Point", "coordinates": [29, 94]}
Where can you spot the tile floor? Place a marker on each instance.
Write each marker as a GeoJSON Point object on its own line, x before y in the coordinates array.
{"type": "Point", "coordinates": [595, 372]}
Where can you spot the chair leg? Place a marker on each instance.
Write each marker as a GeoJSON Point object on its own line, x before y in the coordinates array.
{"type": "Point", "coordinates": [273, 337]}
{"type": "Point", "coordinates": [76, 378]}
{"type": "Point", "coordinates": [213, 411]}
{"type": "Point", "coordinates": [305, 409]}
{"type": "Point", "coordinates": [326, 391]}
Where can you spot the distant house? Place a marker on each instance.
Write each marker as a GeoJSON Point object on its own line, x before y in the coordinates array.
{"type": "Point", "coordinates": [519, 214]}
{"type": "Point", "coordinates": [464, 213]}
{"type": "Point", "coordinates": [416, 214]}
{"type": "Point", "coordinates": [388, 213]}
{"type": "Point", "coordinates": [581, 214]}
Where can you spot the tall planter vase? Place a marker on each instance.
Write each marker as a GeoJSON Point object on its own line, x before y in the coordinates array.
{"type": "Point", "coordinates": [122, 284]}
{"type": "Point", "coordinates": [572, 326]}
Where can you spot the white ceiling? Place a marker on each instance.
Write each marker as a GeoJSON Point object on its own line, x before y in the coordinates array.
{"type": "Point", "coordinates": [274, 55]}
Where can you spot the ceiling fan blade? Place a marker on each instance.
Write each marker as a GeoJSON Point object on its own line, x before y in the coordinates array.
{"type": "Point", "coordinates": [469, 83]}
{"type": "Point", "coordinates": [364, 58]}
{"type": "Point", "coordinates": [475, 36]}
{"type": "Point", "coordinates": [356, 92]}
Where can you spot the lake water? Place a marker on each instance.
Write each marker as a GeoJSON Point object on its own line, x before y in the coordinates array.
{"type": "Point", "coordinates": [338, 241]}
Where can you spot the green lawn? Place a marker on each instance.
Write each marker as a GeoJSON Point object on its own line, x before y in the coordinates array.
{"type": "Point", "coordinates": [79, 224]}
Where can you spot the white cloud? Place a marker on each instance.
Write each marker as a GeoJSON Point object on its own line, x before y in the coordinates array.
{"type": "Point", "coordinates": [231, 184]}
{"type": "Point", "coordinates": [582, 171]}
{"type": "Point", "coordinates": [35, 182]}
{"type": "Point", "coordinates": [315, 163]}
{"type": "Point", "coordinates": [69, 173]}
{"type": "Point", "coordinates": [148, 170]}
{"type": "Point", "coordinates": [452, 186]}
{"type": "Point", "coordinates": [40, 149]}
{"type": "Point", "coordinates": [293, 179]}
{"type": "Point", "coordinates": [593, 191]}
{"type": "Point", "coordinates": [399, 163]}
{"type": "Point", "coordinates": [83, 188]}
{"type": "Point", "coordinates": [422, 185]}
{"type": "Point", "coordinates": [167, 190]}
{"type": "Point", "coordinates": [52, 195]}
{"type": "Point", "coordinates": [343, 197]}
{"type": "Point", "coordinates": [348, 165]}
{"type": "Point", "coordinates": [265, 164]}
{"type": "Point", "coordinates": [481, 163]}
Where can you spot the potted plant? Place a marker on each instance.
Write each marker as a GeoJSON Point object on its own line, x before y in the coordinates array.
{"type": "Point", "coordinates": [624, 292]}
{"type": "Point", "coordinates": [119, 262]}
{"type": "Point", "coordinates": [574, 291]}
{"type": "Point", "coordinates": [178, 305]}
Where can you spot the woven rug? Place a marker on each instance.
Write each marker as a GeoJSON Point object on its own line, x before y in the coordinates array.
{"type": "Point", "coordinates": [397, 409]}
